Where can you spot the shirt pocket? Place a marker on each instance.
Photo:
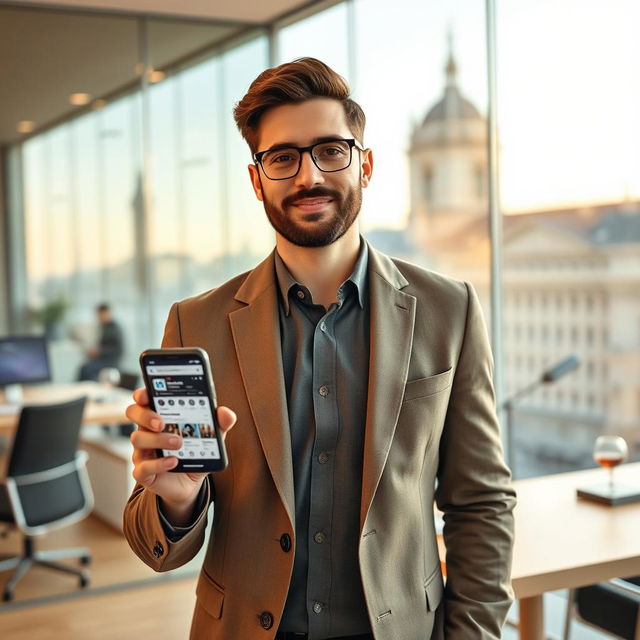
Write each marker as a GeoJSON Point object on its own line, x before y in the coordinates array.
{"type": "Point", "coordinates": [427, 386]}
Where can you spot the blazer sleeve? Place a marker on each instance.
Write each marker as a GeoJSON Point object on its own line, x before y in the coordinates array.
{"type": "Point", "coordinates": [475, 494]}
{"type": "Point", "coordinates": [141, 519]}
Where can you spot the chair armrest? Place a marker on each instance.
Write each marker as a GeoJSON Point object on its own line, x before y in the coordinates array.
{"type": "Point", "coordinates": [624, 585]}
{"type": "Point", "coordinates": [76, 464]}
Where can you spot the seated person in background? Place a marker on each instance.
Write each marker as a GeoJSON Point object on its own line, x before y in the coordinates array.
{"type": "Point", "coordinates": [109, 349]}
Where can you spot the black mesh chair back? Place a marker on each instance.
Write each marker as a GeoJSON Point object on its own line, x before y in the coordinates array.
{"type": "Point", "coordinates": [46, 437]}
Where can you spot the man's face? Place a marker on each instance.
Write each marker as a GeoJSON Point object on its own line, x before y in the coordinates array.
{"type": "Point", "coordinates": [314, 208]}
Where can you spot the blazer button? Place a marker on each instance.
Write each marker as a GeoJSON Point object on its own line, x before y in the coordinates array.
{"type": "Point", "coordinates": [266, 620]}
{"type": "Point", "coordinates": [158, 549]}
{"type": "Point", "coordinates": [285, 542]}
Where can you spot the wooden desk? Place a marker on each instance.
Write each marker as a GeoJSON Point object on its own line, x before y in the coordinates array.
{"type": "Point", "coordinates": [562, 542]}
{"type": "Point", "coordinates": [105, 405]}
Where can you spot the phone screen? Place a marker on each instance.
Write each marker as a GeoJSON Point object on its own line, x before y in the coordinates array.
{"type": "Point", "coordinates": [180, 391]}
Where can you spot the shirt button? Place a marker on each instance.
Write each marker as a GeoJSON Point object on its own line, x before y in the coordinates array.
{"type": "Point", "coordinates": [319, 537]}
{"type": "Point", "coordinates": [323, 326]}
{"type": "Point", "coordinates": [266, 620]}
{"type": "Point", "coordinates": [300, 294]}
{"type": "Point", "coordinates": [285, 542]}
{"type": "Point", "coordinates": [317, 607]}
{"type": "Point", "coordinates": [158, 549]}
{"type": "Point", "coordinates": [323, 391]}
{"type": "Point", "coordinates": [323, 457]}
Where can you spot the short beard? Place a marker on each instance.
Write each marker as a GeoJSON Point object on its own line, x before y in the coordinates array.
{"type": "Point", "coordinates": [324, 233]}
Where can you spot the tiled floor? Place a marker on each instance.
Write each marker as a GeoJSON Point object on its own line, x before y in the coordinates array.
{"type": "Point", "coordinates": [555, 606]}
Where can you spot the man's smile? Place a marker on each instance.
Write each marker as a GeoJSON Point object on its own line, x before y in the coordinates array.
{"type": "Point", "coordinates": [311, 205]}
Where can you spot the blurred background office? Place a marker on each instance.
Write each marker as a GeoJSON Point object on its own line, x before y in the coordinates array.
{"type": "Point", "coordinates": [124, 178]}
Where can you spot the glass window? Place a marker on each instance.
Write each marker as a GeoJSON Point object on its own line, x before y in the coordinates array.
{"type": "Point", "coordinates": [574, 107]}
{"type": "Point", "coordinates": [249, 235]}
{"type": "Point", "coordinates": [323, 35]}
{"type": "Point", "coordinates": [422, 83]}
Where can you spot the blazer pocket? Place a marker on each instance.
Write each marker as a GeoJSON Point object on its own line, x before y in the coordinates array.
{"type": "Point", "coordinates": [210, 595]}
{"type": "Point", "coordinates": [427, 386]}
{"type": "Point", "coordinates": [434, 589]}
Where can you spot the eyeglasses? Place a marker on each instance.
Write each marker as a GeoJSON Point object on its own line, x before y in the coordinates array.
{"type": "Point", "coordinates": [284, 163]}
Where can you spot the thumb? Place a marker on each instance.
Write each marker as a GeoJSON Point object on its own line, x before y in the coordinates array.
{"type": "Point", "coordinates": [226, 418]}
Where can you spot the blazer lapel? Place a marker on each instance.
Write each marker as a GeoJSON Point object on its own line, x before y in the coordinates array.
{"type": "Point", "coordinates": [392, 321]}
{"type": "Point", "coordinates": [256, 335]}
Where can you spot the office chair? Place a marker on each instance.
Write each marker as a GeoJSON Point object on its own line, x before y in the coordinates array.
{"type": "Point", "coordinates": [46, 487]}
{"type": "Point", "coordinates": [612, 607]}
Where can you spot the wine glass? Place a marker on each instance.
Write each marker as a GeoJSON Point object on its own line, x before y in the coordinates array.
{"type": "Point", "coordinates": [609, 452]}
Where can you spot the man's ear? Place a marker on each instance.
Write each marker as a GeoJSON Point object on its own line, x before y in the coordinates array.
{"type": "Point", "coordinates": [366, 167]}
{"type": "Point", "coordinates": [254, 175]}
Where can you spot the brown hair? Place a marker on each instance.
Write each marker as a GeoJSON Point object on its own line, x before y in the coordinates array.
{"type": "Point", "coordinates": [291, 83]}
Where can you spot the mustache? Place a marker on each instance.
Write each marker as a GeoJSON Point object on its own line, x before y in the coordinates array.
{"type": "Point", "coordinates": [316, 192]}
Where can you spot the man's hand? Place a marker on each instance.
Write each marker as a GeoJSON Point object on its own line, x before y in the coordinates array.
{"type": "Point", "coordinates": [178, 491]}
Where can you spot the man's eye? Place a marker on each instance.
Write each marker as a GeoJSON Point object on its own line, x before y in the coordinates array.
{"type": "Point", "coordinates": [280, 158]}
{"type": "Point", "coordinates": [332, 152]}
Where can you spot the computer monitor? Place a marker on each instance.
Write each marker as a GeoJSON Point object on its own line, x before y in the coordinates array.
{"type": "Point", "coordinates": [23, 360]}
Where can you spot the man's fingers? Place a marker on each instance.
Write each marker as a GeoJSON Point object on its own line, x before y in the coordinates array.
{"type": "Point", "coordinates": [145, 471]}
{"type": "Point", "coordinates": [144, 417]}
{"type": "Point", "coordinates": [142, 439]}
{"type": "Point", "coordinates": [141, 397]}
{"type": "Point", "coordinates": [226, 418]}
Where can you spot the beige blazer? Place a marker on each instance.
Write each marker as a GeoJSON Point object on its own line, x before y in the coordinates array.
{"type": "Point", "coordinates": [430, 416]}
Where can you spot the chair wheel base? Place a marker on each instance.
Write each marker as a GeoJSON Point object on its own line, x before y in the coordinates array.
{"type": "Point", "coordinates": [84, 582]}
{"type": "Point", "coordinates": [85, 560]}
{"type": "Point", "coordinates": [7, 596]}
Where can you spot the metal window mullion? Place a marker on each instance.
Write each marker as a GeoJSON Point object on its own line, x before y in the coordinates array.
{"type": "Point", "coordinates": [495, 214]}
{"type": "Point", "coordinates": [225, 217]}
{"type": "Point", "coordinates": [75, 216]}
{"type": "Point", "coordinates": [146, 168]}
{"type": "Point", "coordinates": [273, 52]}
{"type": "Point", "coordinates": [180, 175]}
{"type": "Point", "coordinates": [352, 63]}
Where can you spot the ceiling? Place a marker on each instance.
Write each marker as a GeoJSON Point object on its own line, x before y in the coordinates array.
{"type": "Point", "coordinates": [246, 11]}
{"type": "Point", "coordinates": [48, 54]}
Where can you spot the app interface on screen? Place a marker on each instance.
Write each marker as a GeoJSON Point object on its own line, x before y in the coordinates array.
{"type": "Point", "coordinates": [180, 396]}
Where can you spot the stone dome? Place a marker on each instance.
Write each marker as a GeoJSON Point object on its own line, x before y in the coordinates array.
{"type": "Point", "coordinates": [452, 105]}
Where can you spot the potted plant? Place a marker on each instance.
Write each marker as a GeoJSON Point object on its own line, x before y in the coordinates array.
{"type": "Point", "coordinates": [49, 316]}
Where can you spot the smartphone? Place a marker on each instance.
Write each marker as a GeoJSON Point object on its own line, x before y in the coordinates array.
{"type": "Point", "coordinates": [181, 391]}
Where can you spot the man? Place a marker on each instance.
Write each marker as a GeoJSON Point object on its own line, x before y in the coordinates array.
{"type": "Point", "coordinates": [109, 349]}
{"type": "Point", "coordinates": [358, 382]}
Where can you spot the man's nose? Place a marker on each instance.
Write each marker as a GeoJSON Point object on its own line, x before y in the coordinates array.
{"type": "Point", "coordinates": [309, 174]}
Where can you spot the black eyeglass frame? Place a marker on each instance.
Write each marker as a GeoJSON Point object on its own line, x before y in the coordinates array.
{"type": "Point", "coordinates": [352, 142]}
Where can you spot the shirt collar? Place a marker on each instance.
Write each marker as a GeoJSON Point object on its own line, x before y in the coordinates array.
{"type": "Point", "coordinates": [358, 277]}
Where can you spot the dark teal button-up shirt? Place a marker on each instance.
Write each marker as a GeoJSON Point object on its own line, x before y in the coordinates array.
{"type": "Point", "coordinates": [325, 355]}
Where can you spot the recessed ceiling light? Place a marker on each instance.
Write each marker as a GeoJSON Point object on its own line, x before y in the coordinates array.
{"type": "Point", "coordinates": [79, 99]}
{"type": "Point", "coordinates": [25, 126]}
{"type": "Point", "coordinates": [155, 76]}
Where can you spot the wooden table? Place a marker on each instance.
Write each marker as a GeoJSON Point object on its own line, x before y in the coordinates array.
{"type": "Point", "coordinates": [564, 542]}
{"type": "Point", "coordinates": [105, 405]}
